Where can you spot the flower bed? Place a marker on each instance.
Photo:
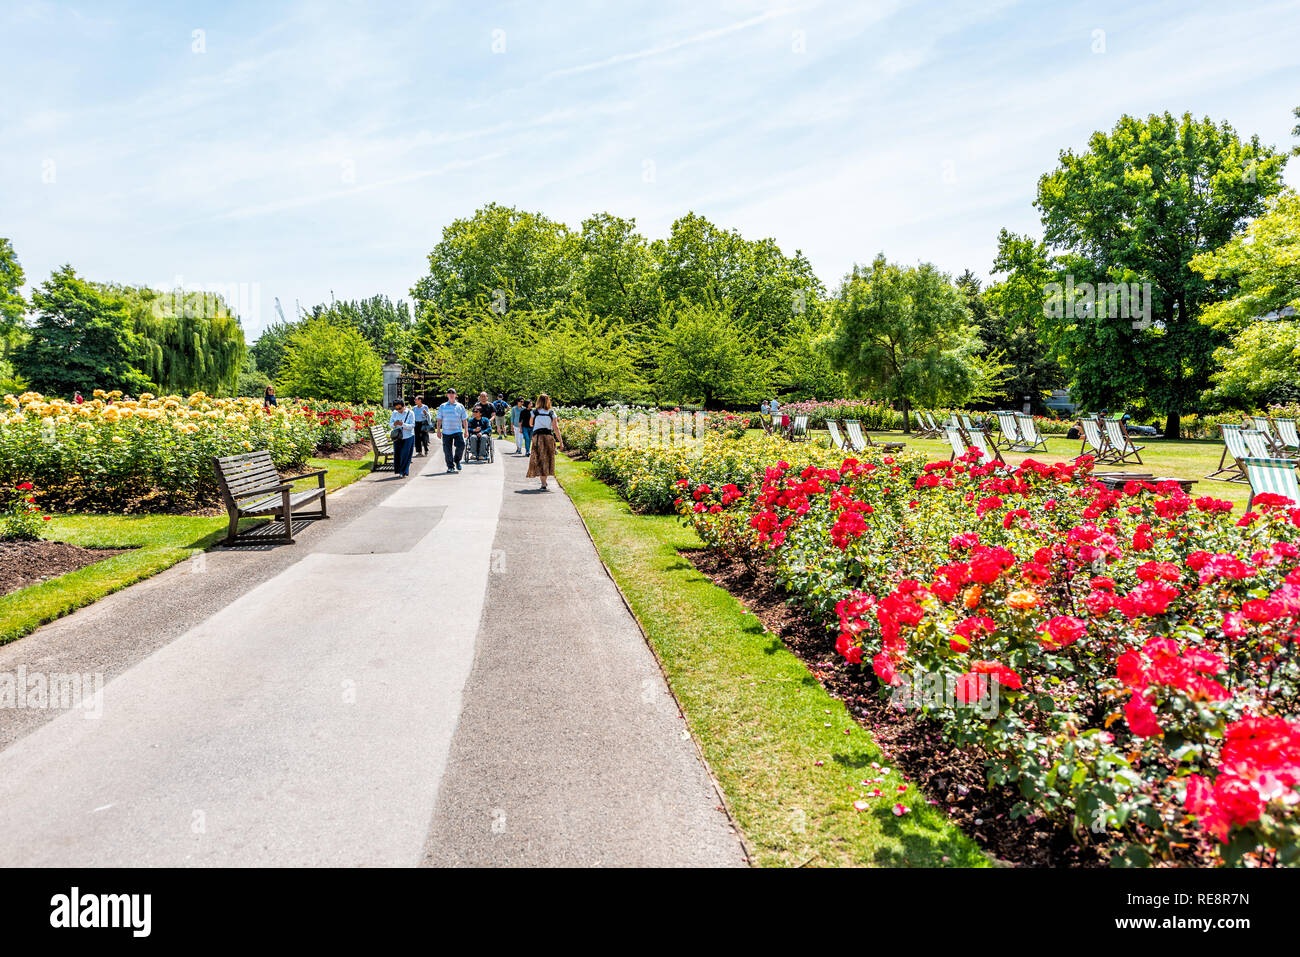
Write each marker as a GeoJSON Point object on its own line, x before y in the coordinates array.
{"type": "Point", "coordinates": [115, 454]}
{"type": "Point", "coordinates": [1122, 660]}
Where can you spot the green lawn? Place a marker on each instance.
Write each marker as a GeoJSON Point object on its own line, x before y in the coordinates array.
{"type": "Point", "coordinates": [762, 721]}
{"type": "Point", "coordinates": [156, 542]}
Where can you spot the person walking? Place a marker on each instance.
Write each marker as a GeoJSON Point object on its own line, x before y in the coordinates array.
{"type": "Point", "coordinates": [545, 440]}
{"type": "Point", "coordinates": [402, 425]}
{"type": "Point", "coordinates": [421, 413]}
{"type": "Point", "coordinates": [499, 419]}
{"type": "Point", "coordinates": [452, 420]}
{"type": "Point", "coordinates": [514, 426]}
{"type": "Point", "coordinates": [526, 424]}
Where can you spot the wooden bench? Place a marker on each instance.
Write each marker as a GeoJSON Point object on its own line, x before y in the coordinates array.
{"type": "Point", "coordinates": [252, 488]}
{"type": "Point", "coordinates": [383, 444]}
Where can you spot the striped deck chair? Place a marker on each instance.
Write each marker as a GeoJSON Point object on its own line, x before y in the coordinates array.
{"type": "Point", "coordinates": [837, 438]}
{"type": "Point", "coordinates": [1094, 442]}
{"type": "Point", "coordinates": [924, 429]}
{"type": "Point", "coordinates": [1264, 424]}
{"type": "Point", "coordinates": [1035, 441]}
{"type": "Point", "coordinates": [1121, 445]}
{"type": "Point", "coordinates": [1287, 436]}
{"type": "Point", "coordinates": [956, 439]}
{"type": "Point", "coordinates": [798, 429]}
{"type": "Point", "coordinates": [861, 441]}
{"type": "Point", "coordinates": [933, 430]}
{"type": "Point", "coordinates": [1010, 430]}
{"type": "Point", "coordinates": [1235, 447]}
{"type": "Point", "coordinates": [970, 426]}
{"type": "Point", "coordinates": [982, 442]}
{"type": "Point", "coordinates": [1271, 475]}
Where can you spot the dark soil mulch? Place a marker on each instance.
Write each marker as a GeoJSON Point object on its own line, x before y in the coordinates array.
{"type": "Point", "coordinates": [953, 778]}
{"type": "Point", "coordinates": [355, 451]}
{"type": "Point", "coordinates": [30, 563]}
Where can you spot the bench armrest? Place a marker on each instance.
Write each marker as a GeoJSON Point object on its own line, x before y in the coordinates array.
{"type": "Point", "coordinates": [283, 487]}
{"type": "Point", "coordinates": [318, 474]}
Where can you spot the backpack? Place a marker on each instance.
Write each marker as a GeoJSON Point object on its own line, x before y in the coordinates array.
{"type": "Point", "coordinates": [500, 407]}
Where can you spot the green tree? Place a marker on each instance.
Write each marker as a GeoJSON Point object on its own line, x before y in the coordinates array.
{"type": "Point", "coordinates": [252, 381]}
{"type": "Point", "coordinates": [1262, 365]}
{"type": "Point", "coordinates": [1295, 150]}
{"type": "Point", "coordinates": [385, 324]}
{"type": "Point", "coordinates": [701, 263]}
{"type": "Point", "coordinates": [12, 308]}
{"type": "Point", "coordinates": [580, 359]}
{"type": "Point", "coordinates": [615, 272]}
{"type": "Point", "coordinates": [707, 355]}
{"type": "Point", "coordinates": [1009, 317]}
{"type": "Point", "coordinates": [803, 368]}
{"type": "Point", "coordinates": [500, 256]}
{"type": "Point", "coordinates": [81, 339]}
{"type": "Point", "coordinates": [186, 341]}
{"type": "Point", "coordinates": [907, 334]}
{"type": "Point", "coordinates": [331, 361]}
{"type": "Point", "coordinates": [272, 346]}
{"type": "Point", "coordinates": [1138, 206]}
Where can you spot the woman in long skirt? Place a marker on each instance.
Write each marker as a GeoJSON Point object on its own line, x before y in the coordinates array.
{"type": "Point", "coordinates": [546, 438]}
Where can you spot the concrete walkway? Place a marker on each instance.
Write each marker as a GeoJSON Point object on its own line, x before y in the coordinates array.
{"type": "Point", "coordinates": [325, 710]}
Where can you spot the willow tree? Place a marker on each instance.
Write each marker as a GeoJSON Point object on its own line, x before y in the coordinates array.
{"type": "Point", "coordinates": [186, 341]}
{"type": "Point", "coordinates": [906, 333]}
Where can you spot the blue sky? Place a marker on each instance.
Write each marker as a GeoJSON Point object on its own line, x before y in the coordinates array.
{"type": "Point", "coordinates": [299, 148]}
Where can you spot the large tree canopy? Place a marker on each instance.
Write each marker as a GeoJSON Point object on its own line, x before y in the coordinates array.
{"type": "Point", "coordinates": [1009, 316]}
{"type": "Point", "coordinates": [331, 360]}
{"type": "Point", "coordinates": [907, 334]}
{"type": "Point", "coordinates": [81, 339]}
{"type": "Point", "coordinates": [1136, 207]}
{"type": "Point", "coordinates": [185, 340]}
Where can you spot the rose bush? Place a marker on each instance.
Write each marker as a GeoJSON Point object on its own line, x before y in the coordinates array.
{"type": "Point", "coordinates": [1124, 659]}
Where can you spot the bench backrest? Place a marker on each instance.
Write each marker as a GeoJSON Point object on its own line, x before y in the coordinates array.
{"type": "Point", "coordinates": [237, 474]}
{"type": "Point", "coordinates": [1271, 475]}
{"type": "Point", "coordinates": [833, 428]}
{"type": "Point", "coordinates": [380, 437]}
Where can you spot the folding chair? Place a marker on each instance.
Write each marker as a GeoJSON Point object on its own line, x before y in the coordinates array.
{"type": "Point", "coordinates": [1264, 424]}
{"type": "Point", "coordinates": [1033, 439]}
{"type": "Point", "coordinates": [798, 429]}
{"type": "Point", "coordinates": [1095, 439]}
{"type": "Point", "coordinates": [1271, 475]}
{"type": "Point", "coordinates": [1234, 445]}
{"type": "Point", "coordinates": [925, 427]}
{"type": "Point", "coordinates": [837, 438]}
{"type": "Point", "coordinates": [1010, 430]}
{"type": "Point", "coordinates": [861, 441]}
{"type": "Point", "coordinates": [956, 439]}
{"type": "Point", "coordinates": [1120, 442]}
{"type": "Point", "coordinates": [1287, 436]}
{"type": "Point", "coordinates": [982, 442]}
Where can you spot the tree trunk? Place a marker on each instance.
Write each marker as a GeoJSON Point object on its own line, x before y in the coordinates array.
{"type": "Point", "coordinates": [1172, 424]}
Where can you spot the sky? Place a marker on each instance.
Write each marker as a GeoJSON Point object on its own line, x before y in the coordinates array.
{"type": "Point", "coordinates": [303, 150]}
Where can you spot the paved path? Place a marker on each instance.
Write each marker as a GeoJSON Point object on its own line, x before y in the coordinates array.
{"type": "Point", "coordinates": [305, 706]}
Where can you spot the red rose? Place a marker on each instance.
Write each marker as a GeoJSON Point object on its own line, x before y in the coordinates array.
{"type": "Point", "coordinates": [1141, 717]}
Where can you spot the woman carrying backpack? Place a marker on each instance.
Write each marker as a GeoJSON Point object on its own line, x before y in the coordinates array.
{"type": "Point", "coordinates": [546, 438]}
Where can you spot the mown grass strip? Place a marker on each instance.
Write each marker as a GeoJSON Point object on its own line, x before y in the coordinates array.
{"type": "Point", "coordinates": [157, 542]}
{"type": "Point", "coordinates": [762, 721]}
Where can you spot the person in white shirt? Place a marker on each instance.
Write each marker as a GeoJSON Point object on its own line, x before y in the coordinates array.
{"type": "Point", "coordinates": [402, 423]}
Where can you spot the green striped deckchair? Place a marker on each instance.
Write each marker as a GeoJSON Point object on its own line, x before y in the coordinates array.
{"type": "Point", "coordinates": [798, 429]}
{"type": "Point", "coordinates": [1287, 435]}
{"type": "Point", "coordinates": [1094, 442]}
{"type": "Point", "coordinates": [1234, 447]}
{"type": "Point", "coordinates": [837, 439]}
{"type": "Point", "coordinates": [986, 447]}
{"type": "Point", "coordinates": [1120, 443]}
{"type": "Point", "coordinates": [1271, 475]}
{"type": "Point", "coordinates": [1010, 430]}
{"type": "Point", "coordinates": [956, 439]}
{"type": "Point", "coordinates": [861, 441]}
{"type": "Point", "coordinates": [1034, 440]}
{"type": "Point", "coordinates": [1264, 424]}
{"type": "Point", "coordinates": [932, 424]}
{"type": "Point", "coordinates": [925, 427]}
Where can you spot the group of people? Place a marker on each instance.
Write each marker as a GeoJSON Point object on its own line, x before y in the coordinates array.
{"type": "Point", "coordinates": [535, 425]}
{"type": "Point", "coordinates": [770, 415]}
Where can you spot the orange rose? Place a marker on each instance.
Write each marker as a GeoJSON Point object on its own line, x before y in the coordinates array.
{"type": "Point", "coordinates": [1023, 599]}
{"type": "Point", "coordinates": [973, 595]}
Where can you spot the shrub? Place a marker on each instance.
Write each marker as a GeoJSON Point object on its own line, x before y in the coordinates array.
{"type": "Point", "coordinates": [20, 516]}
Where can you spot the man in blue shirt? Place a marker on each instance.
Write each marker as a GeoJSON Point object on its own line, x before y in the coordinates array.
{"type": "Point", "coordinates": [452, 421]}
{"type": "Point", "coordinates": [421, 412]}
